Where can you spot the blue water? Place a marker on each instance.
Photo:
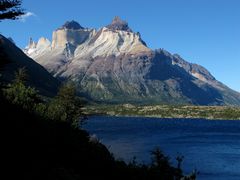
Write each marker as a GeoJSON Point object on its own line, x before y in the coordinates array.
{"type": "Point", "coordinates": [210, 146]}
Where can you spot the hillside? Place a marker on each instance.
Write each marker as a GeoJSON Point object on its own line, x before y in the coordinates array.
{"type": "Point", "coordinates": [34, 147]}
{"type": "Point", "coordinates": [12, 58]}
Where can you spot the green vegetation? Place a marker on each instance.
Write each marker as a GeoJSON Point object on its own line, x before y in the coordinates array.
{"type": "Point", "coordinates": [44, 140]}
{"type": "Point", "coordinates": [166, 111]}
{"type": "Point", "coordinates": [18, 93]}
{"type": "Point", "coordinates": [66, 106]}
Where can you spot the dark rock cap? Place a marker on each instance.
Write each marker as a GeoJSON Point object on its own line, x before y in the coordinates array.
{"type": "Point", "coordinates": [71, 25]}
{"type": "Point", "coordinates": [119, 24]}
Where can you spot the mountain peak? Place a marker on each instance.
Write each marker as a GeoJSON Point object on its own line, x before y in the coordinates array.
{"type": "Point", "coordinates": [71, 25]}
{"type": "Point", "coordinates": [31, 44]}
{"type": "Point", "coordinates": [117, 19]}
{"type": "Point", "coordinates": [119, 24]}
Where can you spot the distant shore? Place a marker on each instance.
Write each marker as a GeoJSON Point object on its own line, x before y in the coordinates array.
{"type": "Point", "coordinates": [166, 111]}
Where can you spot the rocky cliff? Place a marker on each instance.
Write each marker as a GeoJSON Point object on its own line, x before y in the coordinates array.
{"type": "Point", "coordinates": [113, 64]}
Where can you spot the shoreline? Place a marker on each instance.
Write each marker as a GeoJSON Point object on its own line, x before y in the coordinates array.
{"type": "Point", "coordinates": [167, 118]}
{"type": "Point", "coordinates": [166, 111]}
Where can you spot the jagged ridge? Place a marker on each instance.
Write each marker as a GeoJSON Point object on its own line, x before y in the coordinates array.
{"type": "Point", "coordinates": [118, 24]}
{"type": "Point", "coordinates": [114, 64]}
{"type": "Point", "coordinates": [71, 25]}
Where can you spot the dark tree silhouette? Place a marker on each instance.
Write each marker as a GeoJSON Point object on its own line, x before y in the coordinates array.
{"type": "Point", "coordinates": [10, 9]}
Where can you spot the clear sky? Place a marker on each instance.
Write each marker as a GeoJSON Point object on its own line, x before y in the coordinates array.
{"type": "Point", "coordinates": [206, 32]}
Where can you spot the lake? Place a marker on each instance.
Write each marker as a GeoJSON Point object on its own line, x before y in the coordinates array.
{"type": "Point", "coordinates": [210, 146]}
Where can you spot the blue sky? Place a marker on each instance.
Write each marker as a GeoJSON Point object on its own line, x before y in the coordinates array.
{"type": "Point", "coordinates": [206, 32]}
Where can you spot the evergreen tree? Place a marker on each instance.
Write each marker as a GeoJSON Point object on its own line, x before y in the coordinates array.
{"type": "Point", "coordinates": [10, 9]}
{"type": "Point", "coordinates": [21, 76]}
{"type": "Point", "coordinates": [20, 94]}
{"type": "Point", "coordinates": [66, 106]}
{"type": "Point", "coordinates": [161, 166]}
{"type": "Point", "coordinates": [159, 160]}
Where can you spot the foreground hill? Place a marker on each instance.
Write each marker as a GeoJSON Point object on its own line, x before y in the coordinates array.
{"type": "Point", "coordinates": [12, 58]}
{"type": "Point", "coordinates": [114, 64]}
{"type": "Point", "coordinates": [34, 147]}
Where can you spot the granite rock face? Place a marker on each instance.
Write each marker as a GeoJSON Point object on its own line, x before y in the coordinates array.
{"type": "Point", "coordinates": [113, 64]}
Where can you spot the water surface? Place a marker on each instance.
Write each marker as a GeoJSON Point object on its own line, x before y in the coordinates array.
{"type": "Point", "coordinates": [210, 146]}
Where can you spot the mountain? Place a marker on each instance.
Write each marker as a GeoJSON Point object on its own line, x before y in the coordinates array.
{"type": "Point", "coordinates": [114, 64]}
{"type": "Point", "coordinates": [12, 58]}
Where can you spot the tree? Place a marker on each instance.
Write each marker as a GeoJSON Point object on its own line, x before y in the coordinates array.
{"type": "Point", "coordinates": [10, 9]}
{"type": "Point", "coordinates": [21, 76]}
{"type": "Point", "coordinates": [20, 94]}
{"type": "Point", "coordinates": [159, 160]}
{"type": "Point", "coordinates": [160, 167]}
{"type": "Point", "coordinates": [66, 106]}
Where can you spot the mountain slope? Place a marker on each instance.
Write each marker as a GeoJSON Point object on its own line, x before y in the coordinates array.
{"type": "Point", "coordinates": [12, 58]}
{"type": "Point", "coordinates": [113, 64]}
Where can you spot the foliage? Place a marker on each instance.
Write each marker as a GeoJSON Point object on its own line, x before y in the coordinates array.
{"type": "Point", "coordinates": [10, 9]}
{"type": "Point", "coordinates": [41, 109]}
{"type": "Point", "coordinates": [161, 166]}
{"type": "Point", "coordinates": [20, 94]}
{"type": "Point", "coordinates": [21, 76]}
{"type": "Point", "coordinates": [159, 160]}
{"type": "Point", "coordinates": [66, 106]}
